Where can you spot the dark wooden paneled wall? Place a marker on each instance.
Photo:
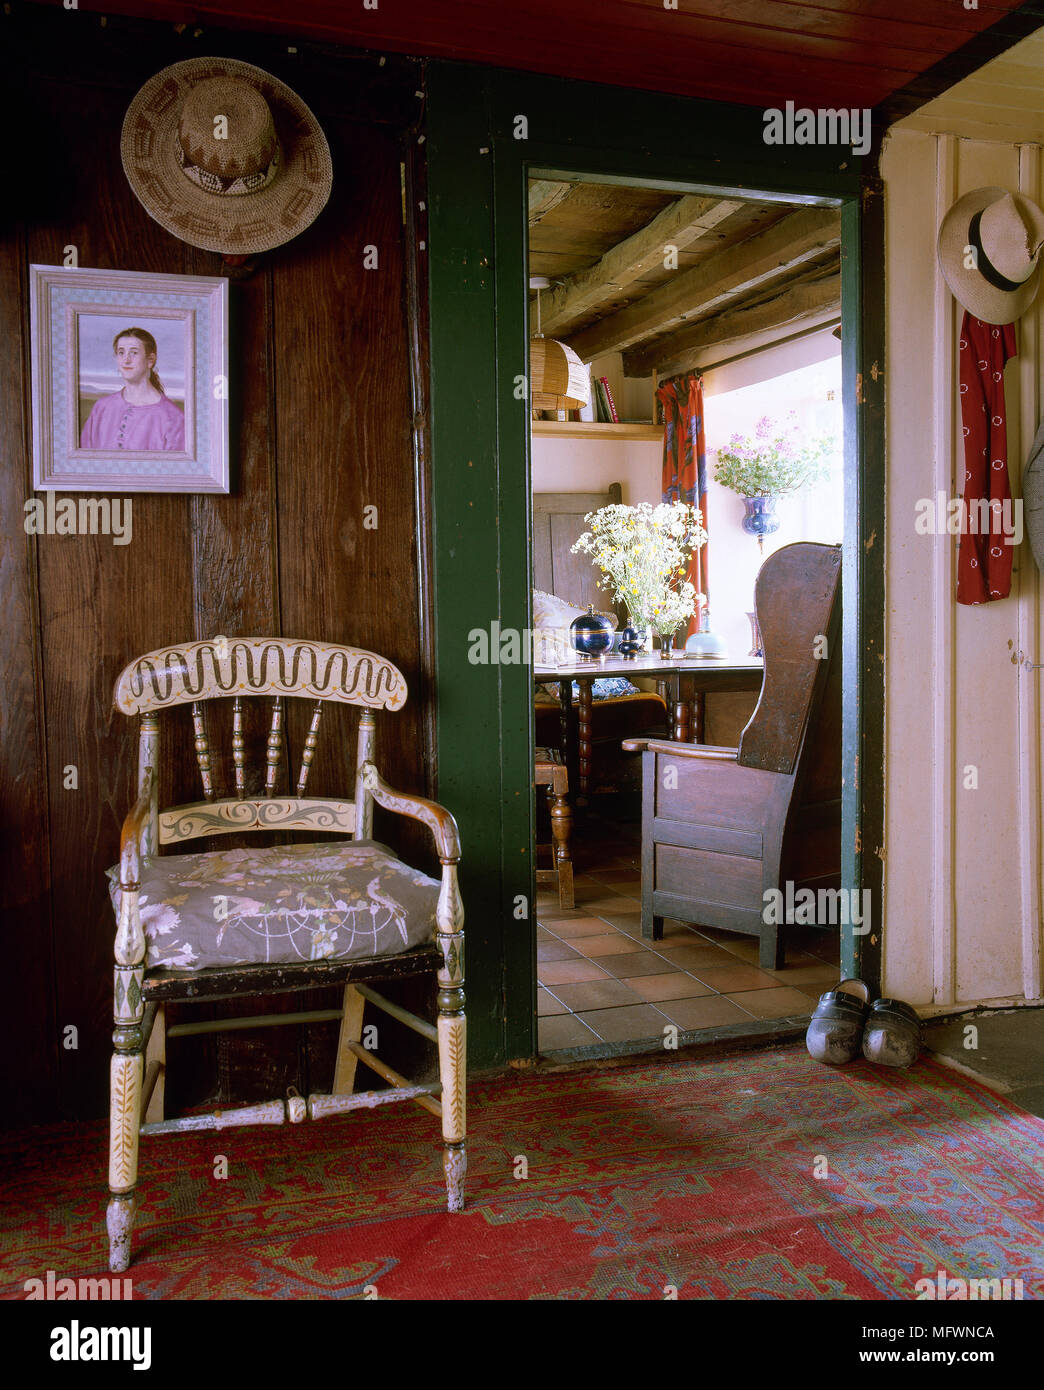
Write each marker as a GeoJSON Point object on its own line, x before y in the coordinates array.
{"type": "Point", "coordinates": [323, 425]}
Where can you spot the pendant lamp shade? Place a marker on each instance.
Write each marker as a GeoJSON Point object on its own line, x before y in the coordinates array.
{"type": "Point", "coordinates": [558, 379]}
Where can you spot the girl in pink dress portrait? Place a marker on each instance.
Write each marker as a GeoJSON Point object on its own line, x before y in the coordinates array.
{"type": "Point", "coordinates": [140, 417]}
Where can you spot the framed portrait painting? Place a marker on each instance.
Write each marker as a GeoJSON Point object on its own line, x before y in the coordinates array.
{"type": "Point", "coordinates": [129, 381]}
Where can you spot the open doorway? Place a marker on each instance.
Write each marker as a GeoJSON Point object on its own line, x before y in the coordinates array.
{"type": "Point", "coordinates": [653, 289]}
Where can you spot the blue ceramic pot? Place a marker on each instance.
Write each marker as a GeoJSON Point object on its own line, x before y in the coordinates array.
{"type": "Point", "coordinates": [630, 642]}
{"type": "Point", "coordinates": [759, 516]}
{"type": "Point", "coordinates": [591, 634]}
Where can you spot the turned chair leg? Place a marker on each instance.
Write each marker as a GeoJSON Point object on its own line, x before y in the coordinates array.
{"type": "Point", "coordinates": [119, 1222]}
{"type": "Point", "coordinates": [452, 1035]}
{"type": "Point", "coordinates": [452, 1052]}
{"type": "Point", "coordinates": [455, 1166]}
{"type": "Point", "coordinates": [124, 1104]}
{"type": "Point", "coordinates": [561, 827]}
{"type": "Point", "coordinates": [125, 1080]}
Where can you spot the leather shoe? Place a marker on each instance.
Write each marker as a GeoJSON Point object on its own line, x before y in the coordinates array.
{"type": "Point", "coordinates": [892, 1036]}
{"type": "Point", "coordinates": [835, 1034]}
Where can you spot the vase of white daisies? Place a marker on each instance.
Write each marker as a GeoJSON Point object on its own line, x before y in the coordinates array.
{"type": "Point", "coordinates": [644, 553]}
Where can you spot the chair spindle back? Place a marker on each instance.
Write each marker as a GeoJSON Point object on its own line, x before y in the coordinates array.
{"type": "Point", "coordinates": [248, 666]}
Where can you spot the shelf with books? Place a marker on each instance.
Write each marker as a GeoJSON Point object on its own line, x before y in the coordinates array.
{"type": "Point", "coordinates": [587, 429]}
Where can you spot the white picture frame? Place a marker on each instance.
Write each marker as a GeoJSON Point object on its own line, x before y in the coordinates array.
{"type": "Point", "coordinates": [87, 437]}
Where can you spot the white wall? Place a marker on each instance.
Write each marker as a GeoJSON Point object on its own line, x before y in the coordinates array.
{"type": "Point", "coordinates": [961, 864]}
{"type": "Point", "coordinates": [590, 465]}
{"type": "Point", "coordinates": [733, 405]}
{"type": "Point", "coordinates": [634, 396]}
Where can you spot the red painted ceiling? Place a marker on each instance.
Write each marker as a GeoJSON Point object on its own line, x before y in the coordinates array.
{"type": "Point", "coordinates": [852, 53]}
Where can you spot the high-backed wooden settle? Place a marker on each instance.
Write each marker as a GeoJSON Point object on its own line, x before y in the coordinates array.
{"type": "Point", "coordinates": [723, 826]}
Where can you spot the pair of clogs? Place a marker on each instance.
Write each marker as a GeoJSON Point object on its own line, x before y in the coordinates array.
{"type": "Point", "coordinates": [843, 1025]}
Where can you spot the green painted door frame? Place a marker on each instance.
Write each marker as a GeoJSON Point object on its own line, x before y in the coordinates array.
{"type": "Point", "coordinates": [487, 131]}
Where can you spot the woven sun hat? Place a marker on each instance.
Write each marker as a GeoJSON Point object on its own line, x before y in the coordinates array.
{"type": "Point", "coordinates": [1006, 232]}
{"type": "Point", "coordinates": [225, 156]}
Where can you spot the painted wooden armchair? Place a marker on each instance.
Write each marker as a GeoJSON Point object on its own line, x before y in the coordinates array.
{"type": "Point", "coordinates": [722, 827]}
{"type": "Point", "coordinates": [261, 921]}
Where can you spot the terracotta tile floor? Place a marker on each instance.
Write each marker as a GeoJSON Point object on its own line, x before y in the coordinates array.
{"type": "Point", "coordinates": [598, 981]}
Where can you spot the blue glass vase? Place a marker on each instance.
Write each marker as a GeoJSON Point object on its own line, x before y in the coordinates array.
{"type": "Point", "coordinates": [759, 516]}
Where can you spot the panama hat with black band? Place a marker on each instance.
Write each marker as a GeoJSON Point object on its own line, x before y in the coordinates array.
{"type": "Point", "coordinates": [225, 156]}
{"type": "Point", "coordinates": [1001, 235]}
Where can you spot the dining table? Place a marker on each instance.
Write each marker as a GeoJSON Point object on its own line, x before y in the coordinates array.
{"type": "Point", "coordinates": [683, 681]}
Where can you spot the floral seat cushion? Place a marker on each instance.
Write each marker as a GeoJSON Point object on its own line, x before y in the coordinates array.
{"type": "Point", "coordinates": [283, 905]}
{"type": "Point", "coordinates": [608, 688]}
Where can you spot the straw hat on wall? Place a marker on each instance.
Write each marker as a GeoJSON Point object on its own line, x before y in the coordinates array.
{"type": "Point", "coordinates": [1002, 234]}
{"type": "Point", "coordinates": [225, 156]}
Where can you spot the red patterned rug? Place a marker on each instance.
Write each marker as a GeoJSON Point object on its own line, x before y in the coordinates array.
{"type": "Point", "coordinates": [760, 1176]}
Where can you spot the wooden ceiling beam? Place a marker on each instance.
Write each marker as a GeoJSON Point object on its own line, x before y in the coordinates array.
{"type": "Point", "coordinates": [677, 351]}
{"type": "Point", "coordinates": [678, 225]}
{"type": "Point", "coordinates": [545, 194]}
{"type": "Point", "coordinates": [732, 271]}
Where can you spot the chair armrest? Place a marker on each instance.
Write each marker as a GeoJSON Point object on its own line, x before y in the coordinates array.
{"type": "Point", "coordinates": [635, 745]}
{"type": "Point", "coordinates": [706, 751]}
{"type": "Point", "coordinates": [438, 820]}
{"type": "Point", "coordinates": [135, 824]}
{"type": "Point", "coordinates": [130, 939]}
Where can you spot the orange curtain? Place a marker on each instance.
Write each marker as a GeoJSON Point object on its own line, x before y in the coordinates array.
{"type": "Point", "coordinates": [685, 465]}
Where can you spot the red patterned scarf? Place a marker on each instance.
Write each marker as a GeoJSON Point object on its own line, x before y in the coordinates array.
{"type": "Point", "coordinates": [984, 559]}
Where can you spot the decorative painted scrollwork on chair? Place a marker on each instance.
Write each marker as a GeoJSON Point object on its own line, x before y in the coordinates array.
{"type": "Point", "coordinates": [199, 927]}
